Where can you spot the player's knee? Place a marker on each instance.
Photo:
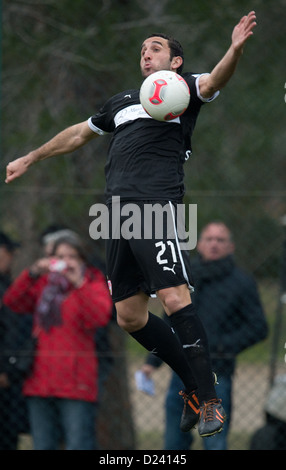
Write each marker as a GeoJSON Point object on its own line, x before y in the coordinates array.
{"type": "Point", "coordinates": [132, 313]}
{"type": "Point", "coordinates": [128, 320]}
{"type": "Point", "coordinates": [125, 323]}
{"type": "Point", "coordinates": [173, 299]}
{"type": "Point", "coordinates": [171, 303]}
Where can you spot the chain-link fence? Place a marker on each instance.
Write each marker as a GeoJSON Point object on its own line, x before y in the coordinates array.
{"type": "Point", "coordinates": [131, 419]}
{"type": "Point", "coordinates": [236, 174]}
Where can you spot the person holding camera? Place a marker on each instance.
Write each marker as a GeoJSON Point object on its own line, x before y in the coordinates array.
{"type": "Point", "coordinates": [69, 300]}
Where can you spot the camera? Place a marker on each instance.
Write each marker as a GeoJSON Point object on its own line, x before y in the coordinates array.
{"type": "Point", "coordinates": [57, 265]}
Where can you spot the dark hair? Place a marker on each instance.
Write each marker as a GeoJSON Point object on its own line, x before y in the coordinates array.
{"type": "Point", "coordinates": [75, 243]}
{"type": "Point", "coordinates": [9, 244]}
{"type": "Point", "coordinates": [175, 47]}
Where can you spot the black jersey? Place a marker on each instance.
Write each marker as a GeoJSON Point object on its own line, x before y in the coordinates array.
{"type": "Point", "coordinates": [146, 157]}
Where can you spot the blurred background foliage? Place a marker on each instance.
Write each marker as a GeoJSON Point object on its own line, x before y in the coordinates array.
{"type": "Point", "coordinates": [62, 60]}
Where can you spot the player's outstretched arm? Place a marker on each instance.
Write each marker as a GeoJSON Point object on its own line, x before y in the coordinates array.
{"type": "Point", "coordinates": [242, 31]}
{"type": "Point", "coordinates": [66, 141]}
{"type": "Point", "coordinates": [224, 70]}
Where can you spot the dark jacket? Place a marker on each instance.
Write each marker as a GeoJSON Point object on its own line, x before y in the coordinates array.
{"type": "Point", "coordinates": [14, 333]}
{"type": "Point", "coordinates": [228, 304]}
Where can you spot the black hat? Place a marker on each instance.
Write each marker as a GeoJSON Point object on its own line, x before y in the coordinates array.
{"type": "Point", "coordinates": [7, 242]}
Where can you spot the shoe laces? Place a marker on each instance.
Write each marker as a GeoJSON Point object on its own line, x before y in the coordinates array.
{"type": "Point", "coordinates": [185, 398]}
{"type": "Point", "coordinates": [183, 394]}
{"type": "Point", "coordinates": [208, 409]}
{"type": "Point", "coordinates": [189, 399]}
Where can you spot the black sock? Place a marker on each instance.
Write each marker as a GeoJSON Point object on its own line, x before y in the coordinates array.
{"type": "Point", "coordinates": [191, 333]}
{"type": "Point", "coordinates": [157, 337]}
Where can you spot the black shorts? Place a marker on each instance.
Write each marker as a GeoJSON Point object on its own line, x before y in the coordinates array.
{"type": "Point", "coordinates": [142, 254]}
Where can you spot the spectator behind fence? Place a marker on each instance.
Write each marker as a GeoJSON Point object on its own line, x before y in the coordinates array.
{"type": "Point", "coordinates": [52, 233]}
{"type": "Point", "coordinates": [230, 309]}
{"type": "Point", "coordinates": [67, 308]}
{"type": "Point", "coordinates": [47, 240]}
{"type": "Point", "coordinates": [13, 334]}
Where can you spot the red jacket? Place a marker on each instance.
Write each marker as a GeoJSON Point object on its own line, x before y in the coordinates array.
{"type": "Point", "coordinates": [65, 365]}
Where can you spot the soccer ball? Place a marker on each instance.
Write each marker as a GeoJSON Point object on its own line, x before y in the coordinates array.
{"type": "Point", "coordinates": [164, 95]}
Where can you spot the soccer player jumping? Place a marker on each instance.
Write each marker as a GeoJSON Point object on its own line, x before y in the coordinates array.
{"type": "Point", "coordinates": [145, 165]}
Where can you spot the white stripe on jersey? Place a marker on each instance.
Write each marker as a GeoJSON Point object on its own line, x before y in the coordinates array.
{"type": "Point", "coordinates": [135, 111]}
{"type": "Point", "coordinates": [94, 128]}
{"type": "Point", "coordinates": [205, 100]}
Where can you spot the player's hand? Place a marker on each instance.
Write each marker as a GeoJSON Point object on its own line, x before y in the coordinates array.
{"type": "Point", "coordinates": [243, 30]}
{"type": "Point", "coordinates": [148, 369]}
{"type": "Point", "coordinates": [16, 168]}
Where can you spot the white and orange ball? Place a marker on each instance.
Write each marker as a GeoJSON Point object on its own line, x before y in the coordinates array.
{"type": "Point", "coordinates": [164, 95]}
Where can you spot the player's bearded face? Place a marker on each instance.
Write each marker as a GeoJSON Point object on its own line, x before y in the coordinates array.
{"type": "Point", "coordinates": [155, 56]}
